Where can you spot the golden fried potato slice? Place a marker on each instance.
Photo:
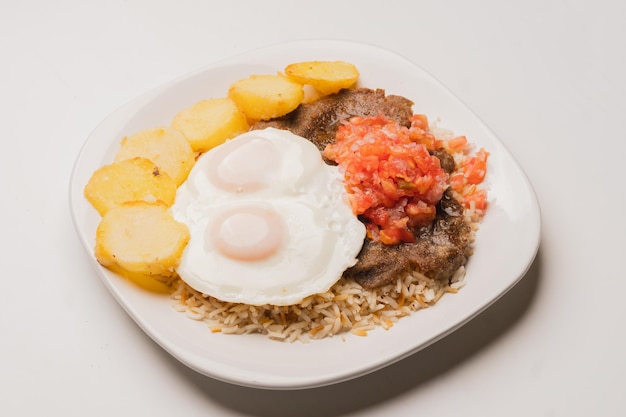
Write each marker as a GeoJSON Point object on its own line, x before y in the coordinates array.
{"type": "Point", "coordinates": [209, 123]}
{"type": "Point", "coordinates": [263, 97]}
{"type": "Point", "coordinates": [165, 146]}
{"type": "Point", "coordinates": [129, 180]}
{"type": "Point", "coordinates": [142, 242]}
{"type": "Point", "coordinates": [325, 76]}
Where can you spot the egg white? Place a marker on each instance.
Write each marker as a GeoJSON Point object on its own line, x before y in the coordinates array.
{"type": "Point", "coordinates": [269, 171]}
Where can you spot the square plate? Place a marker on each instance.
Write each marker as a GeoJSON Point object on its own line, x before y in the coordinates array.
{"type": "Point", "coordinates": [506, 243]}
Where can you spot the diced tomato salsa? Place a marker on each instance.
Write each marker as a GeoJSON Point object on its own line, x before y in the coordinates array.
{"type": "Point", "coordinates": [392, 180]}
{"type": "Point", "coordinates": [475, 167]}
{"type": "Point", "coordinates": [464, 181]}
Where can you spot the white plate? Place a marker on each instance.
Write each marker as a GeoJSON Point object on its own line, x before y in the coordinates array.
{"type": "Point", "coordinates": [505, 246]}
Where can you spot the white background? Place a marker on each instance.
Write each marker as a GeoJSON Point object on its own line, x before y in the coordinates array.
{"type": "Point", "coordinates": [548, 77]}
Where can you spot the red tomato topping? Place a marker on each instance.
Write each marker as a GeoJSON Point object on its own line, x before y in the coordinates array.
{"type": "Point", "coordinates": [464, 182]}
{"type": "Point", "coordinates": [476, 167]}
{"type": "Point", "coordinates": [457, 144]}
{"type": "Point", "coordinates": [392, 180]}
{"type": "Point", "coordinates": [420, 133]}
{"type": "Point", "coordinates": [476, 200]}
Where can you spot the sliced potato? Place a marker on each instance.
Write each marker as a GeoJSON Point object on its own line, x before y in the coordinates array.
{"type": "Point", "coordinates": [129, 180]}
{"type": "Point", "coordinates": [263, 97]}
{"type": "Point", "coordinates": [142, 242]}
{"type": "Point", "coordinates": [165, 146]}
{"type": "Point", "coordinates": [209, 123]}
{"type": "Point", "coordinates": [325, 76]}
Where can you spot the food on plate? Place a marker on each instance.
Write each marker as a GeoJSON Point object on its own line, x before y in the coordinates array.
{"type": "Point", "coordinates": [263, 97]}
{"type": "Point", "coordinates": [136, 179]}
{"type": "Point", "coordinates": [168, 148]}
{"type": "Point", "coordinates": [209, 123]}
{"type": "Point", "coordinates": [440, 247]}
{"type": "Point", "coordinates": [388, 281]}
{"type": "Point", "coordinates": [270, 222]}
{"type": "Point", "coordinates": [142, 242]}
{"type": "Point", "coordinates": [306, 216]}
{"type": "Point", "coordinates": [327, 77]}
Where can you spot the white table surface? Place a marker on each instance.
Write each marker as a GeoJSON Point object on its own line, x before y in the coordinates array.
{"type": "Point", "coordinates": [548, 77]}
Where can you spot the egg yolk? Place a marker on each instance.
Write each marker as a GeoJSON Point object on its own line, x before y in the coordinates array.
{"type": "Point", "coordinates": [249, 233]}
{"type": "Point", "coordinates": [244, 166]}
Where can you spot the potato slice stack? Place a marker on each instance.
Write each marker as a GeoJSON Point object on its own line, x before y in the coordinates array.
{"type": "Point", "coordinates": [137, 236]}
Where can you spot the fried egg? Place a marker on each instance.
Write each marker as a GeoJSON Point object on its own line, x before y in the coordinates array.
{"type": "Point", "coordinates": [270, 222]}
